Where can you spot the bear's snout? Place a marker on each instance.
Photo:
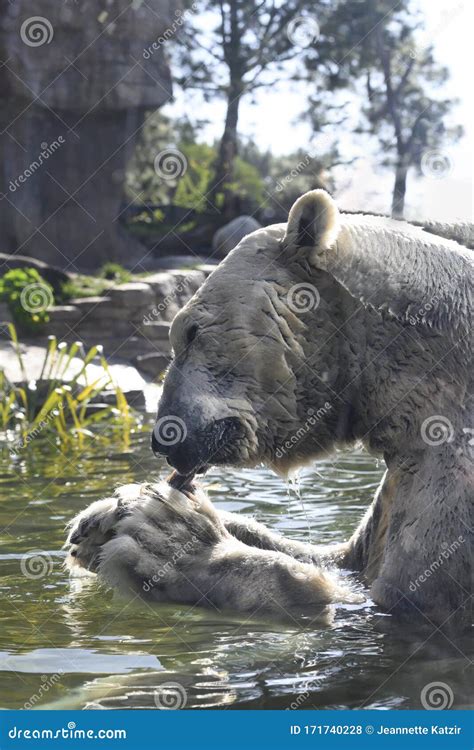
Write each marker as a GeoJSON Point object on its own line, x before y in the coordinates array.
{"type": "Point", "coordinates": [191, 448]}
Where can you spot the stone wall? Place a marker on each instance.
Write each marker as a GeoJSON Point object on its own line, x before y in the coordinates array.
{"type": "Point", "coordinates": [75, 88]}
{"type": "Point", "coordinates": [133, 320]}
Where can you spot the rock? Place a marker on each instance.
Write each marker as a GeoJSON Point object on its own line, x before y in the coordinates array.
{"type": "Point", "coordinates": [152, 364]}
{"type": "Point", "coordinates": [157, 331]}
{"type": "Point", "coordinates": [65, 313]}
{"type": "Point", "coordinates": [207, 268]}
{"type": "Point", "coordinates": [125, 375]}
{"type": "Point", "coordinates": [176, 262]}
{"type": "Point", "coordinates": [172, 290]}
{"type": "Point", "coordinates": [228, 236]}
{"type": "Point", "coordinates": [78, 100]}
{"type": "Point", "coordinates": [53, 275]}
{"type": "Point", "coordinates": [91, 304]}
{"type": "Point", "coordinates": [5, 314]}
{"type": "Point", "coordinates": [131, 296]}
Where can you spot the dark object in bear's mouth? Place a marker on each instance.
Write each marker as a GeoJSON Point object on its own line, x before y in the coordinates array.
{"type": "Point", "coordinates": [180, 481]}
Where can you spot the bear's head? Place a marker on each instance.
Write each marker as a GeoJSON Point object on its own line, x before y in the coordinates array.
{"type": "Point", "coordinates": [316, 333]}
{"type": "Point", "coordinates": [257, 353]}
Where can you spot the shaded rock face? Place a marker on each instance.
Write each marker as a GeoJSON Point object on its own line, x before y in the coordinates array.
{"type": "Point", "coordinates": [228, 236]}
{"type": "Point", "coordinates": [77, 83]}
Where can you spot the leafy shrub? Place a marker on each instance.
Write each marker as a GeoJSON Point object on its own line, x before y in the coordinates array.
{"type": "Point", "coordinates": [115, 272]}
{"type": "Point", "coordinates": [28, 297]}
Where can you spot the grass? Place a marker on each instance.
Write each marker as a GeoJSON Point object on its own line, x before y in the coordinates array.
{"type": "Point", "coordinates": [67, 409]}
{"type": "Point", "coordinates": [81, 286]}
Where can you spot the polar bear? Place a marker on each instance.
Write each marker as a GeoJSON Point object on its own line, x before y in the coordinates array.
{"type": "Point", "coordinates": [324, 331]}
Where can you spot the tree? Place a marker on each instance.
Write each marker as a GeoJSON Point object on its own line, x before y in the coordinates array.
{"type": "Point", "coordinates": [230, 49]}
{"type": "Point", "coordinates": [376, 53]}
{"type": "Point", "coordinates": [402, 109]}
{"type": "Point", "coordinates": [189, 186]}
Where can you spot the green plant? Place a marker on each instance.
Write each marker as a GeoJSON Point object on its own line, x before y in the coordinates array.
{"type": "Point", "coordinates": [80, 286]}
{"type": "Point", "coordinates": [67, 408]}
{"type": "Point", "coordinates": [115, 272]}
{"type": "Point", "coordinates": [28, 297]}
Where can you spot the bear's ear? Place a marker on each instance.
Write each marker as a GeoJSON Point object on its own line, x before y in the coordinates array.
{"type": "Point", "coordinates": [313, 222]}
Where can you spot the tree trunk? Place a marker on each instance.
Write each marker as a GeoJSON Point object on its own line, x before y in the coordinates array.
{"type": "Point", "coordinates": [399, 190]}
{"type": "Point", "coordinates": [224, 168]}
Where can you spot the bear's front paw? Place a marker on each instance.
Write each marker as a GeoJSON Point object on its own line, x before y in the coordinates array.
{"type": "Point", "coordinates": [95, 526]}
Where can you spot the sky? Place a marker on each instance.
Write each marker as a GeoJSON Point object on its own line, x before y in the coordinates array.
{"type": "Point", "coordinates": [364, 185]}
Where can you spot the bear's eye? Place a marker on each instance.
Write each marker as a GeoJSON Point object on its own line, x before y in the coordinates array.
{"type": "Point", "coordinates": [191, 333]}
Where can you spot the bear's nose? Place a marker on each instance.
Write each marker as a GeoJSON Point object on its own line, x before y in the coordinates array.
{"type": "Point", "coordinates": [170, 438]}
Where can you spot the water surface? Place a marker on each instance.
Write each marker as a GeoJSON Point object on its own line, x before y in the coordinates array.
{"type": "Point", "coordinates": [65, 646]}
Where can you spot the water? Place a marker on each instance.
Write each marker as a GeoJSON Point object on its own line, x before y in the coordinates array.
{"type": "Point", "coordinates": [63, 646]}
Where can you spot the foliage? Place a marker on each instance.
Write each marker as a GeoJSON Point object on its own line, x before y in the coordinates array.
{"type": "Point", "coordinates": [228, 51]}
{"type": "Point", "coordinates": [190, 189]}
{"type": "Point", "coordinates": [28, 297]}
{"type": "Point", "coordinates": [80, 286]}
{"type": "Point", "coordinates": [115, 272]}
{"type": "Point", "coordinates": [68, 409]}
